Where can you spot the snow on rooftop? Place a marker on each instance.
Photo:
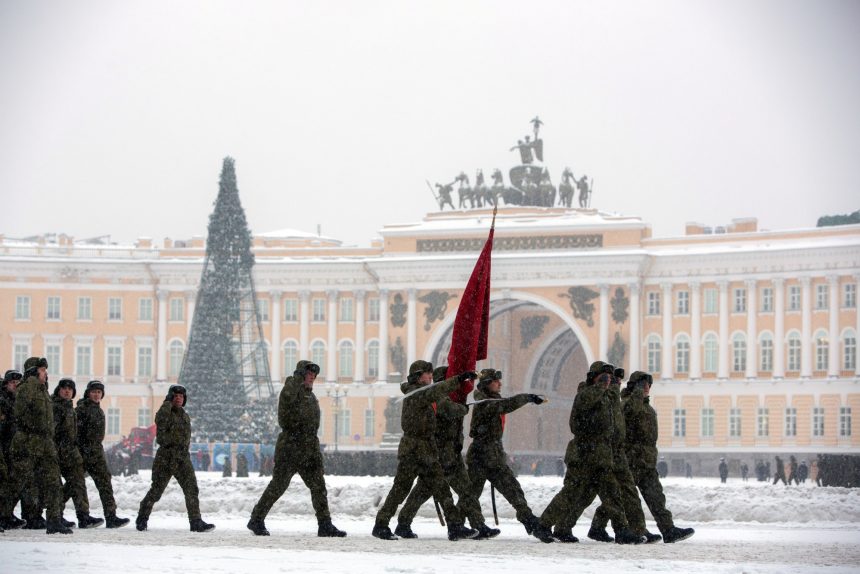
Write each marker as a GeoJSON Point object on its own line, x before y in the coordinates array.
{"type": "Point", "coordinates": [288, 233]}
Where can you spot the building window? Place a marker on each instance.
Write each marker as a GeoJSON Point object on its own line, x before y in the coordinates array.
{"type": "Point", "coordinates": [83, 361]}
{"type": "Point", "coordinates": [740, 300]}
{"type": "Point", "coordinates": [22, 308]}
{"type": "Point", "coordinates": [52, 309]}
{"type": "Point", "coordinates": [291, 356]}
{"type": "Point", "coordinates": [767, 300]}
{"type": "Point", "coordinates": [680, 426]}
{"type": "Point", "coordinates": [291, 310]}
{"type": "Point", "coordinates": [52, 354]}
{"type": "Point", "coordinates": [344, 422]}
{"type": "Point", "coordinates": [114, 309]}
{"type": "Point", "coordinates": [20, 354]}
{"type": "Point", "coordinates": [373, 309]}
{"type": "Point", "coordinates": [849, 351]}
{"type": "Point", "coordinates": [85, 309]}
{"type": "Point", "coordinates": [711, 303]}
{"type": "Point", "coordinates": [707, 423]}
{"type": "Point", "coordinates": [822, 351]}
{"type": "Point", "coordinates": [345, 359]}
{"type": "Point", "coordinates": [765, 352]}
{"type": "Point", "coordinates": [144, 309]}
{"type": "Point", "coordinates": [762, 423]}
{"type": "Point", "coordinates": [654, 351]}
{"type": "Point", "coordinates": [791, 422]}
{"type": "Point", "coordinates": [793, 352]}
{"type": "Point", "coordinates": [177, 309]}
{"type": "Point", "coordinates": [735, 423]}
{"type": "Point", "coordinates": [263, 309]}
{"type": "Point", "coordinates": [318, 310]}
{"type": "Point", "coordinates": [113, 420]}
{"type": "Point", "coordinates": [794, 298]}
{"type": "Point", "coordinates": [318, 354]}
{"type": "Point", "coordinates": [144, 417]}
{"type": "Point", "coordinates": [844, 421]}
{"type": "Point", "coordinates": [176, 350]}
{"type": "Point", "coordinates": [144, 361]}
{"type": "Point", "coordinates": [373, 359]}
{"type": "Point", "coordinates": [849, 295]}
{"type": "Point", "coordinates": [346, 310]}
{"type": "Point", "coordinates": [683, 302]}
{"type": "Point", "coordinates": [653, 303]}
{"type": "Point", "coordinates": [739, 353]}
{"type": "Point", "coordinates": [114, 361]}
{"type": "Point", "coordinates": [818, 421]}
{"type": "Point", "coordinates": [682, 354]}
{"type": "Point", "coordinates": [369, 423]}
{"type": "Point", "coordinates": [711, 351]}
{"type": "Point", "coordinates": [821, 298]}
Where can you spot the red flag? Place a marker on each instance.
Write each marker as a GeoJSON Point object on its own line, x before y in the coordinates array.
{"type": "Point", "coordinates": [471, 325]}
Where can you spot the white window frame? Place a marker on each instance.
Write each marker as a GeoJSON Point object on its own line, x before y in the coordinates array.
{"type": "Point", "coordinates": [22, 308]}
{"type": "Point", "coordinates": [318, 306]}
{"type": "Point", "coordinates": [818, 422]}
{"type": "Point", "coordinates": [735, 421]}
{"type": "Point", "coordinates": [53, 308]}
{"type": "Point", "coordinates": [822, 296]}
{"type": "Point", "coordinates": [176, 310]}
{"type": "Point", "coordinates": [710, 301]}
{"type": "Point", "coordinates": [790, 428]}
{"type": "Point", "coordinates": [708, 423]}
{"type": "Point", "coordinates": [373, 310]}
{"type": "Point", "coordinates": [85, 309]}
{"type": "Point", "coordinates": [291, 310]}
{"type": "Point", "coordinates": [114, 313]}
{"type": "Point", "coordinates": [763, 422]}
{"type": "Point", "coordinates": [145, 309]}
{"type": "Point", "coordinates": [739, 304]}
{"type": "Point", "coordinates": [844, 422]}
{"type": "Point", "coordinates": [679, 426]}
{"type": "Point", "coordinates": [767, 300]}
{"type": "Point", "coordinates": [653, 303]}
{"type": "Point", "coordinates": [683, 303]}
{"type": "Point", "coordinates": [346, 312]}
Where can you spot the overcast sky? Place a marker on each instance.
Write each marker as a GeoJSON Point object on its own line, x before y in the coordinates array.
{"type": "Point", "coordinates": [115, 115]}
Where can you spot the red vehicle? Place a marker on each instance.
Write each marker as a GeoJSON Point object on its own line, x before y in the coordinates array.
{"type": "Point", "coordinates": [133, 452]}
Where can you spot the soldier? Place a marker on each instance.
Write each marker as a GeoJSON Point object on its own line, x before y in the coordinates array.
{"type": "Point", "coordinates": [792, 473]}
{"type": "Point", "coordinates": [663, 467]}
{"type": "Point", "coordinates": [91, 433]}
{"type": "Point", "coordinates": [33, 448]}
{"type": "Point", "coordinates": [297, 451]}
{"type": "Point", "coordinates": [227, 467]}
{"type": "Point", "coordinates": [241, 466]}
{"type": "Point", "coordinates": [449, 440]}
{"type": "Point", "coordinates": [724, 470]}
{"type": "Point", "coordinates": [486, 457]}
{"type": "Point", "coordinates": [589, 462]}
{"type": "Point", "coordinates": [802, 471]}
{"type": "Point", "coordinates": [71, 463]}
{"type": "Point", "coordinates": [10, 487]}
{"type": "Point", "coordinates": [745, 470]}
{"type": "Point", "coordinates": [172, 459]}
{"type": "Point", "coordinates": [780, 472]}
{"type": "Point", "coordinates": [417, 455]}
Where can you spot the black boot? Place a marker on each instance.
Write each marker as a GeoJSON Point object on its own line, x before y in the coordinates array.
{"type": "Point", "coordinates": [460, 531]}
{"type": "Point", "coordinates": [258, 527]}
{"type": "Point", "coordinates": [328, 530]}
{"type": "Point", "coordinates": [626, 536]}
{"type": "Point", "coordinates": [36, 523]}
{"type": "Point", "coordinates": [383, 532]}
{"type": "Point", "coordinates": [565, 536]}
{"type": "Point", "coordinates": [485, 532]}
{"type": "Point", "coordinates": [87, 521]}
{"type": "Point", "coordinates": [114, 521]}
{"type": "Point", "coordinates": [404, 531]}
{"type": "Point", "coordinates": [535, 528]}
{"type": "Point", "coordinates": [12, 522]}
{"type": "Point", "coordinates": [67, 523]}
{"type": "Point", "coordinates": [651, 538]}
{"type": "Point", "coordinates": [56, 526]}
{"type": "Point", "coordinates": [197, 525]}
{"type": "Point", "coordinates": [677, 534]}
{"type": "Point", "coordinates": [141, 523]}
{"type": "Point", "coordinates": [600, 535]}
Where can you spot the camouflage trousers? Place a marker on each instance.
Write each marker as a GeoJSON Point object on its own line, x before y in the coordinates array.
{"type": "Point", "coordinates": [95, 465]}
{"type": "Point", "coordinates": [582, 483]}
{"type": "Point", "coordinates": [9, 487]}
{"type": "Point", "coordinates": [458, 479]}
{"type": "Point", "coordinates": [171, 463]}
{"type": "Point", "coordinates": [72, 471]}
{"type": "Point", "coordinates": [502, 478]}
{"type": "Point", "coordinates": [629, 500]}
{"type": "Point", "coordinates": [308, 465]}
{"type": "Point", "coordinates": [38, 471]}
{"type": "Point", "coordinates": [424, 467]}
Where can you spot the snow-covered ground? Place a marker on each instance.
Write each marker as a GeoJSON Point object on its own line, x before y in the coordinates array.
{"type": "Point", "coordinates": [740, 527]}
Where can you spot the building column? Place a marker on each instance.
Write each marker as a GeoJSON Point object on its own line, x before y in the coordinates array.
{"type": "Point", "coordinates": [275, 365]}
{"type": "Point", "coordinates": [603, 341]}
{"type": "Point", "coordinates": [190, 297]}
{"type": "Point", "coordinates": [358, 373]}
{"type": "Point", "coordinates": [304, 325]}
{"type": "Point", "coordinates": [856, 326]}
{"type": "Point", "coordinates": [382, 369]}
{"type": "Point", "coordinates": [806, 328]}
{"type": "Point", "coordinates": [723, 362]}
{"type": "Point", "coordinates": [833, 337]}
{"type": "Point", "coordinates": [331, 358]}
{"type": "Point", "coordinates": [695, 330]}
{"type": "Point", "coordinates": [411, 325]}
{"type": "Point", "coordinates": [635, 344]}
{"type": "Point", "coordinates": [161, 363]}
{"type": "Point", "coordinates": [752, 333]}
{"type": "Point", "coordinates": [668, 369]}
{"type": "Point", "coordinates": [779, 328]}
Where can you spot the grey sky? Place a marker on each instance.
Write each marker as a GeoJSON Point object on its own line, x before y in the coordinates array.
{"type": "Point", "coordinates": [115, 116]}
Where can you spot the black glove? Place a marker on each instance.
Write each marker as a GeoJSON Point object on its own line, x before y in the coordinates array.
{"type": "Point", "coordinates": [536, 399]}
{"type": "Point", "coordinates": [466, 376]}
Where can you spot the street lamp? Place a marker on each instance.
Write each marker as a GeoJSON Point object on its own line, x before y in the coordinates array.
{"type": "Point", "coordinates": [336, 392]}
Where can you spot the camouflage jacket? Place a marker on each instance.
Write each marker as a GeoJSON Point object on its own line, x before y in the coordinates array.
{"type": "Point", "coordinates": [299, 415]}
{"type": "Point", "coordinates": [33, 412]}
{"type": "Point", "coordinates": [418, 418]}
{"type": "Point", "coordinates": [173, 428]}
{"type": "Point", "coordinates": [91, 425]}
{"type": "Point", "coordinates": [488, 427]}
{"type": "Point", "coordinates": [640, 419]}
{"type": "Point", "coordinates": [449, 431]}
{"type": "Point", "coordinates": [65, 427]}
{"type": "Point", "coordinates": [7, 421]}
{"type": "Point", "coordinates": [593, 427]}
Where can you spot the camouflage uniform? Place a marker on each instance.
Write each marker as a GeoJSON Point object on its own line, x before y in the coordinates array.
{"type": "Point", "coordinates": [10, 488]}
{"type": "Point", "coordinates": [68, 456]}
{"type": "Point", "coordinates": [91, 434]}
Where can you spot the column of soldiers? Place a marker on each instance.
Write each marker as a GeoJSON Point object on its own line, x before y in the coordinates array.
{"type": "Point", "coordinates": [613, 452]}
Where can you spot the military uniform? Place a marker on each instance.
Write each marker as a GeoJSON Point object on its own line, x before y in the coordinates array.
{"type": "Point", "coordinates": [297, 451]}
{"type": "Point", "coordinates": [10, 488]}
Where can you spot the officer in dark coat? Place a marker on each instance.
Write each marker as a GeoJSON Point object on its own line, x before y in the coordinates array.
{"type": "Point", "coordinates": [91, 434]}
{"type": "Point", "coordinates": [792, 472]}
{"type": "Point", "coordinates": [780, 471]}
{"type": "Point", "coordinates": [802, 471]}
{"type": "Point", "coordinates": [172, 459]}
{"type": "Point", "coordinates": [297, 451]}
{"type": "Point", "coordinates": [418, 455]}
{"type": "Point", "coordinates": [10, 487]}
{"type": "Point", "coordinates": [33, 447]}
{"type": "Point", "coordinates": [241, 465]}
{"type": "Point", "coordinates": [745, 471]}
{"type": "Point", "coordinates": [71, 463]}
{"type": "Point", "coordinates": [724, 470]}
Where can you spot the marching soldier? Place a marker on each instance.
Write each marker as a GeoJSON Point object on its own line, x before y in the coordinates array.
{"type": "Point", "coordinates": [172, 459]}
{"type": "Point", "coordinates": [91, 433]}
{"type": "Point", "coordinates": [68, 456]}
{"type": "Point", "coordinates": [486, 456]}
{"type": "Point", "coordinates": [297, 451]}
{"type": "Point", "coordinates": [10, 487]}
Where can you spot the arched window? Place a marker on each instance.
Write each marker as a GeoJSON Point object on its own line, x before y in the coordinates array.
{"type": "Point", "coordinates": [849, 350]}
{"type": "Point", "coordinates": [345, 358]}
{"type": "Point", "coordinates": [765, 345]}
{"type": "Point", "coordinates": [654, 347]}
{"type": "Point", "coordinates": [318, 354]}
{"type": "Point", "coordinates": [373, 359]}
{"type": "Point", "coordinates": [682, 354]}
{"type": "Point", "coordinates": [739, 352]}
{"type": "Point", "coordinates": [822, 350]}
{"type": "Point", "coordinates": [793, 344]}
{"type": "Point", "coordinates": [291, 357]}
{"type": "Point", "coordinates": [711, 350]}
{"type": "Point", "coordinates": [176, 352]}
